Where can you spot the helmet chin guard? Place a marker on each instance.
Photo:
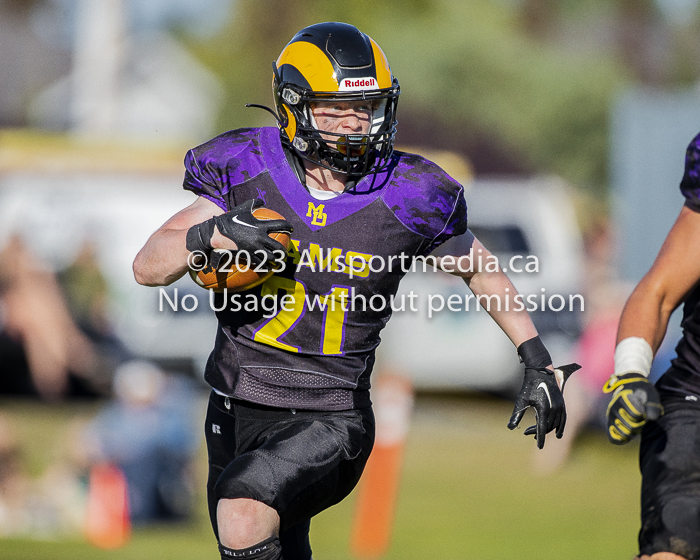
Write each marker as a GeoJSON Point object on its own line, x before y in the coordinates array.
{"type": "Point", "coordinates": [330, 62]}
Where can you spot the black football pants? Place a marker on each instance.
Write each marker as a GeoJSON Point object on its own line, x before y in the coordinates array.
{"type": "Point", "coordinates": [297, 462]}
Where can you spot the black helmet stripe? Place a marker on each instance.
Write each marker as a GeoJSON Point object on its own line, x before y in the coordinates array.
{"type": "Point", "coordinates": [289, 73]}
{"type": "Point", "coordinates": [347, 46]}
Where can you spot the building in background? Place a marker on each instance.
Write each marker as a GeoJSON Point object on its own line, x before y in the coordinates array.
{"type": "Point", "coordinates": [107, 69]}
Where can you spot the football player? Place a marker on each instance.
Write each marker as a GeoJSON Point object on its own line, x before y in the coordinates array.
{"type": "Point", "coordinates": [290, 425]}
{"type": "Point", "coordinates": [668, 414]}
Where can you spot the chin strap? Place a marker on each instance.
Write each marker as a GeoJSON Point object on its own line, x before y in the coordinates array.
{"type": "Point", "coordinates": [266, 108]}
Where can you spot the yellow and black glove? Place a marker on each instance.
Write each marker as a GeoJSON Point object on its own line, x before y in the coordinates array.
{"type": "Point", "coordinates": [634, 401]}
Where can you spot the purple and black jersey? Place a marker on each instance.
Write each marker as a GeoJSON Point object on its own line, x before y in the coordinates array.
{"type": "Point", "coordinates": [683, 379]}
{"type": "Point", "coordinates": [690, 184]}
{"type": "Point", "coordinates": [347, 257]}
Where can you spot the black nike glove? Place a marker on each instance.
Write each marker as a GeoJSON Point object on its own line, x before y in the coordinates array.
{"type": "Point", "coordinates": [250, 234]}
{"type": "Point", "coordinates": [540, 390]}
{"type": "Point", "coordinates": [634, 401]}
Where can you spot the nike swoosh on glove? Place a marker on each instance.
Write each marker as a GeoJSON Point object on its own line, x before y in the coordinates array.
{"type": "Point", "coordinates": [634, 401]}
{"type": "Point", "coordinates": [250, 234]}
{"type": "Point", "coordinates": [540, 390]}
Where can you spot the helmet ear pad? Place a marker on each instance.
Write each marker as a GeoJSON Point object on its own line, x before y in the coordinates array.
{"type": "Point", "coordinates": [287, 99]}
{"type": "Point", "coordinates": [291, 128]}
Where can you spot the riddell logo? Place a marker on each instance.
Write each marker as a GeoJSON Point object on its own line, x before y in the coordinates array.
{"type": "Point", "coordinates": [358, 84]}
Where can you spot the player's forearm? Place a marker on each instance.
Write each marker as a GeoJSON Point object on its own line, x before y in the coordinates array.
{"type": "Point", "coordinates": [517, 325]}
{"type": "Point", "coordinates": [674, 274]}
{"type": "Point", "coordinates": [646, 315]}
{"type": "Point", "coordinates": [163, 259]}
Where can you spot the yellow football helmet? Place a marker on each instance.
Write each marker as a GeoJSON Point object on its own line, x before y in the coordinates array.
{"type": "Point", "coordinates": [335, 62]}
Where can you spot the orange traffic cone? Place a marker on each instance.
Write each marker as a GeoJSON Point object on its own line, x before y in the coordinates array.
{"type": "Point", "coordinates": [377, 494]}
{"type": "Point", "coordinates": [107, 523]}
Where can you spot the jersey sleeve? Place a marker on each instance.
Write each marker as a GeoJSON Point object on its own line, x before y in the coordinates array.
{"type": "Point", "coordinates": [427, 201]}
{"type": "Point", "coordinates": [456, 224]}
{"type": "Point", "coordinates": [200, 181]}
{"type": "Point", "coordinates": [218, 167]}
{"type": "Point", "coordinates": [690, 184]}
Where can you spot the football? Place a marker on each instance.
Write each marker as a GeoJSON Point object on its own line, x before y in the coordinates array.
{"type": "Point", "coordinates": [239, 278]}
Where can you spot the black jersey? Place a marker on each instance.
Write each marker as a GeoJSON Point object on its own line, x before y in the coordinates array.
{"type": "Point", "coordinates": [682, 381]}
{"type": "Point", "coordinates": [347, 257]}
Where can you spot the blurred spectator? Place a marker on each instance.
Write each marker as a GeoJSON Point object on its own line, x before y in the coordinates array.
{"type": "Point", "coordinates": [55, 336]}
{"type": "Point", "coordinates": [42, 351]}
{"type": "Point", "coordinates": [85, 289]}
{"type": "Point", "coordinates": [151, 431]}
{"type": "Point", "coordinates": [86, 293]}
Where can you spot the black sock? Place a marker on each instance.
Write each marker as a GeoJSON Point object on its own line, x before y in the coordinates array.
{"type": "Point", "coordinates": [269, 549]}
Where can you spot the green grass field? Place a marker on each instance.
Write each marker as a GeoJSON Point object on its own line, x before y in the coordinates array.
{"type": "Point", "coordinates": [468, 491]}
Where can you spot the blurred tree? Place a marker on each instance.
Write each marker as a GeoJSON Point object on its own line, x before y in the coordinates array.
{"type": "Point", "coordinates": [539, 17]}
{"type": "Point", "coordinates": [638, 40]}
{"type": "Point", "coordinates": [482, 76]}
{"type": "Point", "coordinates": [242, 54]}
{"type": "Point", "coordinates": [517, 86]}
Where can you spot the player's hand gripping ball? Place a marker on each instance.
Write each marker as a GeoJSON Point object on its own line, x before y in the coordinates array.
{"type": "Point", "coordinates": [231, 270]}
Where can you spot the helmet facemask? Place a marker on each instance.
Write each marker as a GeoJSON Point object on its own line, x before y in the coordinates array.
{"type": "Point", "coordinates": [351, 154]}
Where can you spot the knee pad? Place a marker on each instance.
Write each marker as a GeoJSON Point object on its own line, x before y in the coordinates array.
{"type": "Point", "coordinates": [269, 549]}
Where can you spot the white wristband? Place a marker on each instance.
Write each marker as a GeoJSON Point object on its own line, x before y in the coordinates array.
{"type": "Point", "coordinates": [633, 354]}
